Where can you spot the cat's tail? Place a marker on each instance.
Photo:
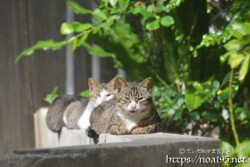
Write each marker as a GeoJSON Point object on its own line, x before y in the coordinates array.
{"type": "Point", "coordinates": [92, 134]}
{"type": "Point", "coordinates": [54, 117]}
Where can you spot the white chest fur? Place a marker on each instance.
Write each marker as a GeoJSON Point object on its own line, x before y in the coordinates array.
{"type": "Point", "coordinates": [83, 122]}
{"type": "Point", "coordinates": [130, 123]}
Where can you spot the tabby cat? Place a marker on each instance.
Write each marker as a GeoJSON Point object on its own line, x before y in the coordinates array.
{"type": "Point", "coordinates": [77, 113]}
{"type": "Point", "coordinates": [131, 112]}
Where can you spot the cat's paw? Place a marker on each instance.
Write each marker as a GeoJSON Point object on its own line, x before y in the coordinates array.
{"type": "Point", "coordinates": [91, 132]}
{"type": "Point", "coordinates": [118, 130]}
{"type": "Point", "coordinates": [145, 130]}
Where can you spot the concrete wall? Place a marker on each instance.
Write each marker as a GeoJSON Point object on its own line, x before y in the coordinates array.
{"type": "Point", "coordinates": [153, 150]}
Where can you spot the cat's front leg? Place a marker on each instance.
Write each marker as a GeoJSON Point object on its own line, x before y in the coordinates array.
{"type": "Point", "coordinates": [118, 130]}
{"type": "Point", "coordinates": [151, 128]}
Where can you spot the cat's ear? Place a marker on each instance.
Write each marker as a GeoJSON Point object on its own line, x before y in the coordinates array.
{"type": "Point", "coordinates": [92, 84]}
{"type": "Point", "coordinates": [146, 84]}
{"type": "Point", "coordinates": [111, 83]}
{"type": "Point", "coordinates": [120, 83]}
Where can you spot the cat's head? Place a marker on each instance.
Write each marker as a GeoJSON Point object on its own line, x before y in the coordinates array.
{"type": "Point", "coordinates": [135, 99]}
{"type": "Point", "coordinates": [100, 93]}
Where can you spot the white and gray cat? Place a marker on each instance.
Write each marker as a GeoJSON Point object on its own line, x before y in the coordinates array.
{"type": "Point", "coordinates": [73, 112]}
{"type": "Point", "coordinates": [77, 114]}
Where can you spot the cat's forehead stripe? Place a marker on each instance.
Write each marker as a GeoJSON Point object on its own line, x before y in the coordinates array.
{"type": "Point", "coordinates": [133, 92]}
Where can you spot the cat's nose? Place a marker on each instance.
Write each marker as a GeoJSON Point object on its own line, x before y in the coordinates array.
{"type": "Point", "coordinates": [103, 100]}
{"type": "Point", "coordinates": [133, 106]}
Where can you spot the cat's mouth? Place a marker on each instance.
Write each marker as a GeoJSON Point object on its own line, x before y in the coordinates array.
{"type": "Point", "coordinates": [132, 111]}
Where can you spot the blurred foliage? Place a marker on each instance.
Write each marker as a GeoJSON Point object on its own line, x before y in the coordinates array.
{"type": "Point", "coordinates": [196, 51]}
{"type": "Point", "coordinates": [52, 96]}
{"type": "Point", "coordinates": [85, 93]}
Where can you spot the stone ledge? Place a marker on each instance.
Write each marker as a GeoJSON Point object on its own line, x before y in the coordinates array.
{"type": "Point", "coordinates": [139, 151]}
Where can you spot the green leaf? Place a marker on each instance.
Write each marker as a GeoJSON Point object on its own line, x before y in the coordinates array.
{"type": "Point", "coordinates": [108, 25]}
{"type": "Point", "coordinates": [113, 2]}
{"type": "Point", "coordinates": [51, 97]}
{"type": "Point", "coordinates": [209, 115]}
{"type": "Point", "coordinates": [235, 59]}
{"type": "Point", "coordinates": [85, 93]}
{"type": "Point", "coordinates": [224, 57]}
{"type": "Point", "coordinates": [121, 33]}
{"type": "Point", "coordinates": [76, 8]}
{"type": "Point", "coordinates": [26, 52]}
{"type": "Point", "coordinates": [82, 40]}
{"type": "Point", "coordinates": [74, 44]}
{"type": "Point", "coordinates": [153, 25]}
{"type": "Point", "coordinates": [79, 27]}
{"type": "Point", "coordinates": [227, 147]}
{"type": "Point", "coordinates": [142, 9]}
{"type": "Point", "coordinates": [246, 38]}
{"type": "Point", "coordinates": [244, 68]}
{"type": "Point", "coordinates": [224, 94]}
{"type": "Point", "coordinates": [66, 29]}
{"type": "Point", "coordinates": [225, 79]}
{"type": "Point", "coordinates": [243, 150]}
{"type": "Point", "coordinates": [99, 15]}
{"type": "Point", "coordinates": [97, 28]}
{"type": "Point", "coordinates": [124, 4]}
{"type": "Point", "coordinates": [160, 8]}
{"type": "Point", "coordinates": [97, 50]}
{"type": "Point", "coordinates": [43, 45]}
{"type": "Point", "coordinates": [167, 21]}
{"type": "Point", "coordinates": [233, 45]}
{"type": "Point", "coordinates": [195, 116]}
{"type": "Point", "coordinates": [239, 30]}
{"type": "Point", "coordinates": [194, 97]}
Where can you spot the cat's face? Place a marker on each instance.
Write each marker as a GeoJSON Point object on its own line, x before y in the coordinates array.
{"type": "Point", "coordinates": [100, 93]}
{"type": "Point", "coordinates": [134, 100]}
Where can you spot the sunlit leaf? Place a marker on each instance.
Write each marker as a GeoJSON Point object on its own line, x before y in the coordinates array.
{"type": "Point", "coordinates": [43, 45]}
{"type": "Point", "coordinates": [244, 68]}
{"type": "Point", "coordinates": [153, 25]}
{"type": "Point", "coordinates": [124, 4]}
{"type": "Point", "coordinates": [51, 97]}
{"type": "Point", "coordinates": [66, 29]}
{"type": "Point", "coordinates": [85, 93]}
{"type": "Point", "coordinates": [235, 59]}
{"type": "Point", "coordinates": [76, 8]}
{"type": "Point", "coordinates": [82, 40]}
{"type": "Point", "coordinates": [243, 150]}
{"type": "Point", "coordinates": [160, 8]}
{"type": "Point", "coordinates": [233, 45]}
{"type": "Point", "coordinates": [99, 15]}
{"type": "Point", "coordinates": [195, 97]}
{"type": "Point", "coordinates": [228, 148]}
{"type": "Point", "coordinates": [79, 27]}
{"type": "Point", "coordinates": [74, 44]}
{"type": "Point", "coordinates": [113, 2]}
{"type": "Point", "coordinates": [98, 27]}
{"type": "Point", "coordinates": [167, 21]}
{"type": "Point", "coordinates": [97, 50]}
{"type": "Point", "coordinates": [239, 30]}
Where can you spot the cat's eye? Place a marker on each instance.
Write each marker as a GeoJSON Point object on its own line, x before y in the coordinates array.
{"type": "Point", "coordinates": [126, 98]}
{"type": "Point", "coordinates": [97, 95]}
{"type": "Point", "coordinates": [141, 98]}
{"type": "Point", "coordinates": [108, 95]}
